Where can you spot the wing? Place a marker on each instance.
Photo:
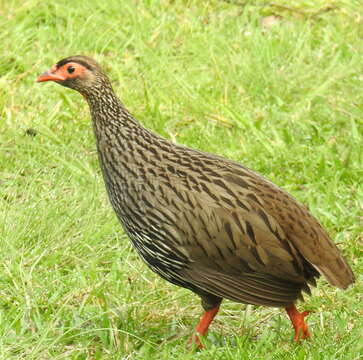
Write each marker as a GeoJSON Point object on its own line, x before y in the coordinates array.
{"type": "Point", "coordinates": [234, 249]}
{"type": "Point", "coordinates": [238, 255]}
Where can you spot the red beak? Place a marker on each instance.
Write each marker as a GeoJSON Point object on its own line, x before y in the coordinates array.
{"type": "Point", "coordinates": [50, 76]}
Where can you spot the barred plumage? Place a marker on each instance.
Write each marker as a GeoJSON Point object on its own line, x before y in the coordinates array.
{"type": "Point", "coordinates": [201, 221]}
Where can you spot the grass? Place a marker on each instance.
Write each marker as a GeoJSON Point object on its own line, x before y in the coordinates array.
{"type": "Point", "coordinates": [285, 100]}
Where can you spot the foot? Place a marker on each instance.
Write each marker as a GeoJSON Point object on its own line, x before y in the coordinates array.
{"type": "Point", "coordinates": [195, 342]}
{"type": "Point", "coordinates": [298, 322]}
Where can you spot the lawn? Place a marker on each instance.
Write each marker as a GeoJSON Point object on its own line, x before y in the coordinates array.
{"type": "Point", "coordinates": [276, 86]}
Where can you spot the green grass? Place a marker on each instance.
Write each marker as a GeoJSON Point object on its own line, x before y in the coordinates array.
{"type": "Point", "coordinates": [285, 100]}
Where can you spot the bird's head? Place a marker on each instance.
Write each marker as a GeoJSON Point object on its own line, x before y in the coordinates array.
{"type": "Point", "coordinates": [78, 72]}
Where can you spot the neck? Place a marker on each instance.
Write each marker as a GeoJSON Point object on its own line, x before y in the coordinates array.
{"type": "Point", "coordinates": [125, 148]}
{"type": "Point", "coordinates": [112, 122]}
{"type": "Point", "coordinates": [106, 108]}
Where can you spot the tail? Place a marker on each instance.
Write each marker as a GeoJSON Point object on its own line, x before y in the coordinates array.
{"type": "Point", "coordinates": [337, 272]}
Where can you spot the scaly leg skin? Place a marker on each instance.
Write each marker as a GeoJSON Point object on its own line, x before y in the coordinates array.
{"type": "Point", "coordinates": [298, 322]}
{"type": "Point", "coordinates": [203, 326]}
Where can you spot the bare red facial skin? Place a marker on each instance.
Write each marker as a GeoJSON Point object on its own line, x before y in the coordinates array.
{"type": "Point", "coordinates": [70, 70]}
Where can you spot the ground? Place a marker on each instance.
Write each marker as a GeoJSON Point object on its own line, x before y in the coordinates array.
{"type": "Point", "coordinates": [276, 86]}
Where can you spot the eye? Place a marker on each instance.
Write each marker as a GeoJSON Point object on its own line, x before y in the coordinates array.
{"type": "Point", "coordinates": [71, 69]}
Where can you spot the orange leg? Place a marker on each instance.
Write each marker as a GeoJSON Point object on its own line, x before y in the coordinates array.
{"type": "Point", "coordinates": [203, 326]}
{"type": "Point", "coordinates": [298, 322]}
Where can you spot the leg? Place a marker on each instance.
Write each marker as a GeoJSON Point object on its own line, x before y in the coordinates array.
{"type": "Point", "coordinates": [211, 306]}
{"type": "Point", "coordinates": [298, 322]}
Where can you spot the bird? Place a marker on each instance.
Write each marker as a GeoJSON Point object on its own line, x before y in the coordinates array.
{"type": "Point", "coordinates": [201, 221]}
